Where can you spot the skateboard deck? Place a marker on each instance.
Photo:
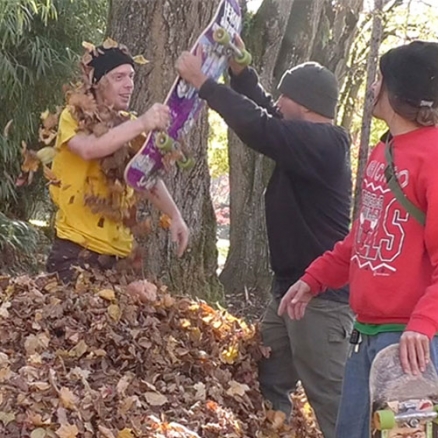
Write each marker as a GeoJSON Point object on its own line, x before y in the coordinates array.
{"type": "Point", "coordinates": [402, 405]}
{"type": "Point", "coordinates": [185, 105]}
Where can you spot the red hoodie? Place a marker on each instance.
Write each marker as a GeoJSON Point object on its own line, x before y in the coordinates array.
{"type": "Point", "coordinates": [389, 259]}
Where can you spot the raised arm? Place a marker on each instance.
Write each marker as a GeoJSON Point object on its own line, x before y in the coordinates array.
{"type": "Point", "coordinates": [91, 147]}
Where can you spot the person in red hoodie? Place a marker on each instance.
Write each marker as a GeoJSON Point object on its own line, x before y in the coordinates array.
{"type": "Point", "coordinates": [390, 258]}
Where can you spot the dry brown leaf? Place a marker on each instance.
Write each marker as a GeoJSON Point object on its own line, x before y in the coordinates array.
{"type": "Point", "coordinates": [237, 388]}
{"type": "Point", "coordinates": [278, 420]}
{"type": "Point", "coordinates": [79, 349]}
{"type": "Point", "coordinates": [36, 343]}
{"type": "Point", "coordinates": [41, 386]}
{"type": "Point", "coordinates": [4, 309]}
{"type": "Point", "coordinates": [123, 384]}
{"type": "Point", "coordinates": [165, 222]}
{"type": "Point", "coordinates": [46, 154]}
{"type": "Point", "coordinates": [88, 46]}
{"type": "Point", "coordinates": [83, 102]}
{"type": "Point", "coordinates": [37, 420]}
{"type": "Point", "coordinates": [30, 159]}
{"type": "Point", "coordinates": [201, 391]}
{"type": "Point", "coordinates": [109, 43]}
{"type": "Point", "coordinates": [45, 136]}
{"type": "Point", "coordinates": [6, 417]}
{"type": "Point", "coordinates": [107, 294]}
{"type": "Point", "coordinates": [143, 290]}
{"type": "Point", "coordinates": [107, 433]}
{"type": "Point", "coordinates": [50, 120]}
{"type": "Point", "coordinates": [155, 398]}
{"type": "Point", "coordinates": [68, 399]}
{"type": "Point", "coordinates": [114, 312]}
{"type": "Point", "coordinates": [100, 129]}
{"type": "Point", "coordinates": [230, 354]}
{"type": "Point", "coordinates": [140, 59]}
{"type": "Point", "coordinates": [38, 433]}
{"type": "Point", "coordinates": [125, 433]}
{"type": "Point", "coordinates": [67, 431]}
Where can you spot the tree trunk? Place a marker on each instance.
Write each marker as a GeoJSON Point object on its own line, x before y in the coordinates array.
{"type": "Point", "coordinates": [161, 30]}
{"type": "Point", "coordinates": [336, 33]}
{"type": "Point", "coordinates": [247, 264]}
{"type": "Point", "coordinates": [281, 34]}
{"type": "Point", "coordinates": [376, 38]}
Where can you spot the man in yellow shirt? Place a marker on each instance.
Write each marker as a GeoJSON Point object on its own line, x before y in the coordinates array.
{"type": "Point", "coordinates": [93, 205]}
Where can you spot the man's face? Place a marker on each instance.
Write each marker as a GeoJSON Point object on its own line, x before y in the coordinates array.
{"type": "Point", "coordinates": [407, 432]}
{"type": "Point", "coordinates": [117, 87]}
{"type": "Point", "coordinates": [290, 109]}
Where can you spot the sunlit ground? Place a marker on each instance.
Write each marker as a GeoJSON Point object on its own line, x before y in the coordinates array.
{"type": "Point", "coordinates": [223, 246]}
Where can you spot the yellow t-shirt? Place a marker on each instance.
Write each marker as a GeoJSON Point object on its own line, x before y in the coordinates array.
{"type": "Point", "coordinates": [74, 219]}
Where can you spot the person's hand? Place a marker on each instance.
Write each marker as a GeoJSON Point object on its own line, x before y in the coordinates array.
{"type": "Point", "coordinates": [189, 67]}
{"type": "Point", "coordinates": [414, 352]}
{"type": "Point", "coordinates": [157, 117]}
{"type": "Point", "coordinates": [295, 301]}
{"type": "Point", "coordinates": [179, 234]}
{"type": "Point", "coordinates": [236, 68]}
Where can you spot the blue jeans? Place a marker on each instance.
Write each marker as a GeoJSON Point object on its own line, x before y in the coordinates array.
{"type": "Point", "coordinates": [354, 411]}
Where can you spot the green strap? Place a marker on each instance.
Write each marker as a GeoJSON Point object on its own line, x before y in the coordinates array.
{"type": "Point", "coordinates": [394, 185]}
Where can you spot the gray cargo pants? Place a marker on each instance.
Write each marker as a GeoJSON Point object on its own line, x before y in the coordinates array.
{"type": "Point", "coordinates": [313, 350]}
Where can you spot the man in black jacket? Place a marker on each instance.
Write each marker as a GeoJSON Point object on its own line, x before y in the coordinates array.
{"type": "Point", "coordinates": [307, 212]}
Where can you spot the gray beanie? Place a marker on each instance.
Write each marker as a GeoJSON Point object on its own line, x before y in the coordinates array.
{"type": "Point", "coordinates": [312, 86]}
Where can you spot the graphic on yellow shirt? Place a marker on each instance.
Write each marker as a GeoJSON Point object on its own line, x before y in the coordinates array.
{"type": "Point", "coordinates": [80, 179]}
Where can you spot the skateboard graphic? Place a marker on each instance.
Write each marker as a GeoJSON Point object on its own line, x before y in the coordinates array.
{"type": "Point", "coordinates": [402, 405]}
{"type": "Point", "coordinates": [217, 42]}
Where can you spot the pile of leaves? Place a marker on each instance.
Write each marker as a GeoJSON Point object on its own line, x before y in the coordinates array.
{"type": "Point", "coordinates": [111, 358]}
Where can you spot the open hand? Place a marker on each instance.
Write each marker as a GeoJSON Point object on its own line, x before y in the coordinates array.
{"type": "Point", "coordinates": [295, 301]}
{"type": "Point", "coordinates": [414, 352]}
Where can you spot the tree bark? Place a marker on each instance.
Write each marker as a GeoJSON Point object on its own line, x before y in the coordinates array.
{"type": "Point", "coordinates": [282, 34]}
{"type": "Point", "coordinates": [161, 30]}
{"type": "Point", "coordinates": [247, 264]}
{"type": "Point", "coordinates": [376, 38]}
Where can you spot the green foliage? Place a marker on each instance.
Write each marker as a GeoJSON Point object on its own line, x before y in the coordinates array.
{"type": "Point", "coordinates": [17, 235]}
{"type": "Point", "coordinates": [217, 146]}
{"type": "Point", "coordinates": [19, 246]}
{"type": "Point", "coordinates": [8, 163]}
{"type": "Point", "coordinates": [39, 44]}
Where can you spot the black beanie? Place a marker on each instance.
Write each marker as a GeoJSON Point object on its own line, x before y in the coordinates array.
{"type": "Point", "coordinates": [312, 86]}
{"type": "Point", "coordinates": [410, 73]}
{"type": "Point", "coordinates": [107, 60]}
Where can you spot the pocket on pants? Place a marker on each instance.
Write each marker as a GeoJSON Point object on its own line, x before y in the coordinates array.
{"type": "Point", "coordinates": [340, 332]}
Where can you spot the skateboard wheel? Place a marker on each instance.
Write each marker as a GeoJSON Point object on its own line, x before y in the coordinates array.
{"type": "Point", "coordinates": [221, 36]}
{"type": "Point", "coordinates": [163, 142]}
{"type": "Point", "coordinates": [384, 419]}
{"type": "Point", "coordinates": [245, 59]}
{"type": "Point", "coordinates": [186, 163]}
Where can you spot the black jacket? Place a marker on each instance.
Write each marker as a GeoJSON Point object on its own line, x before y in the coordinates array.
{"type": "Point", "coordinates": [308, 196]}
